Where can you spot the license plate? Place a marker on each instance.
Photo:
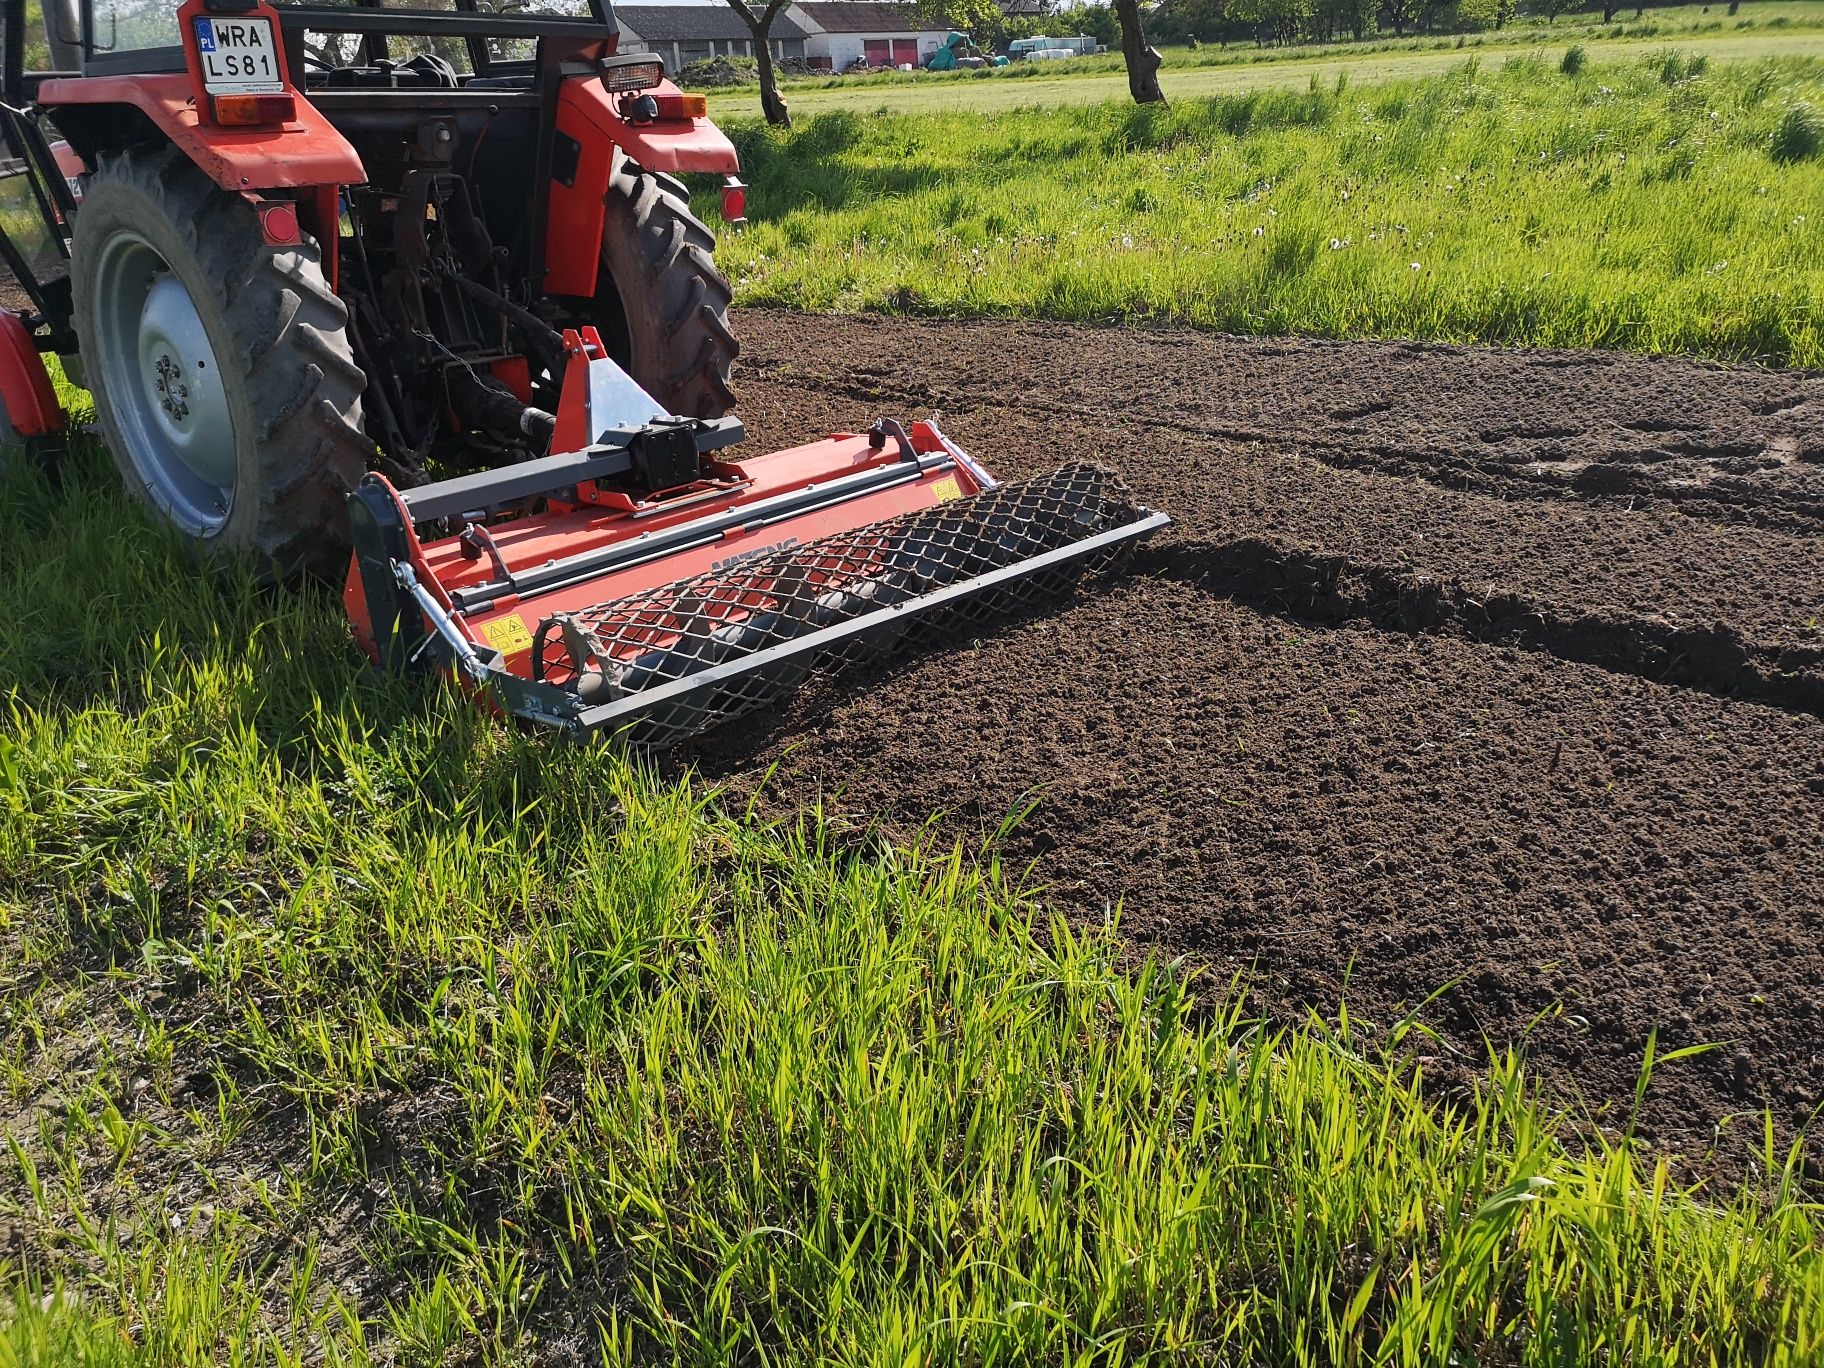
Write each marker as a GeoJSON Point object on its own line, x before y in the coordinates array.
{"type": "Point", "coordinates": [238, 56]}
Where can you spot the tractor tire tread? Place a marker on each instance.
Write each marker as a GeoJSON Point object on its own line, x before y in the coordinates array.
{"type": "Point", "coordinates": [306, 449]}
{"type": "Point", "coordinates": [659, 256]}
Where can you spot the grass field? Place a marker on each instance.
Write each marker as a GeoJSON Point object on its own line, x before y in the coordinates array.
{"type": "Point", "coordinates": [340, 1023]}
{"type": "Point", "coordinates": [914, 95]}
{"type": "Point", "coordinates": [1772, 31]}
{"type": "Point", "coordinates": [1664, 203]}
{"type": "Point", "coordinates": [343, 1022]}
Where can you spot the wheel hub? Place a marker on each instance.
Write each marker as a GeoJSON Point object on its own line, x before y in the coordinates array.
{"type": "Point", "coordinates": [159, 372]}
{"type": "Point", "coordinates": [172, 391]}
{"type": "Point", "coordinates": [181, 386]}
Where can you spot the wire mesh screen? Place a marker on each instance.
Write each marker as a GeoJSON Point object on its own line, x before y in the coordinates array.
{"type": "Point", "coordinates": [688, 655]}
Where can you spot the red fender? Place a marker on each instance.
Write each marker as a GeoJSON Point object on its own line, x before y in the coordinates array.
{"type": "Point", "coordinates": [300, 152]}
{"type": "Point", "coordinates": [305, 151]}
{"type": "Point", "coordinates": [586, 111]}
{"type": "Point", "coordinates": [586, 114]}
{"type": "Point", "coordinates": [25, 385]}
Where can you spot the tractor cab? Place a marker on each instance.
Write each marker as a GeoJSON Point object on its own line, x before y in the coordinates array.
{"type": "Point", "coordinates": [469, 40]}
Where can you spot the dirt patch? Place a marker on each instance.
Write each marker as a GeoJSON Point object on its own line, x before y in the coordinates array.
{"type": "Point", "coordinates": [715, 72]}
{"type": "Point", "coordinates": [710, 73]}
{"type": "Point", "coordinates": [1491, 672]}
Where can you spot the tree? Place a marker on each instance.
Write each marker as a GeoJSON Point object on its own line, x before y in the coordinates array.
{"type": "Point", "coordinates": [1330, 19]}
{"type": "Point", "coordinates": [760, 24]}
{"type": "Point", "coordinates": [982, 20]}
{"type": "Point", "coordinates": [1181, 20]}
{"type": "Point", "coordinates": [1353, 15]}
{"type": "Point", "coordinates": [1275, 21]}
{"type": "Point", "coordinates": [1482, 13]}
{"type": "Point", "coordinates": [1400, 14]}
{"type": "Point", "coordinates": [1142, 61]}
{"type": "Point", "coordinates": [1098, 21]}
{"type": "Point", "coordinates": [1404, 16]}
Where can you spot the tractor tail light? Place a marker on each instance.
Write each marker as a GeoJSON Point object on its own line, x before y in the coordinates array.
{"type": "Point", "coordinates": [679, 106]}
{"type": "Point", "coordinates": [244, 111]}
{"type": "Point", "coordinates": [734, 200]}
{"type": "Point", "coordinates": [622, 77]}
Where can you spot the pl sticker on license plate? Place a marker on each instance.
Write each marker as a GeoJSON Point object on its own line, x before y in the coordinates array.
{"type": "Point", "coordinates": [238, 56]}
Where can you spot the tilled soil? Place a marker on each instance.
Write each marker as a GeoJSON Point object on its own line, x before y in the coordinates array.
{"type": "Point", "coordinates": [1490, 674]}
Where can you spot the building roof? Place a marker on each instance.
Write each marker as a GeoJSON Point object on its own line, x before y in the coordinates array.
{"type": "Point", "coordinates": [696, 23]}
{"type": "Point", "coordinates": [864, 16]}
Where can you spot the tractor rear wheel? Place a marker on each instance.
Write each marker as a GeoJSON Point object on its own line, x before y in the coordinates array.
{"type": "Point", "coordinates": [219, 364]}
{"type": "Point", "coordinates": [661, 305]}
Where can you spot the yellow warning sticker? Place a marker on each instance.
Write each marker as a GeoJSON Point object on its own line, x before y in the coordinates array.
{"type": "Point", "coordinates": [946, 489]}
{"type": "Point", "coordinates": [508, 635]}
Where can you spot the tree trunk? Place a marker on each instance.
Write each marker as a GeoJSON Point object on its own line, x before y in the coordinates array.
{"type": "Point", "coordinates": [772, 104]}
{"type": "Point", "coordinates": [1142, 61]}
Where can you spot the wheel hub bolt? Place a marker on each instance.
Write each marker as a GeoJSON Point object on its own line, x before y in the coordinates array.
{"type": "Point", "coordinates": [173, 393]}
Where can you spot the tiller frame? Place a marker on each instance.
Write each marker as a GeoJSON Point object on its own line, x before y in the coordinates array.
{"type": "Point", "coordinates": [639, 582]}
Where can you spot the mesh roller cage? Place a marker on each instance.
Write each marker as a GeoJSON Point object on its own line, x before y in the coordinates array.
{"type": "Point", "coordinates": [669, 663]}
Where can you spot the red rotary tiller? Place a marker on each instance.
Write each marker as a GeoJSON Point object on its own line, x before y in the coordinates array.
{"type": "Point", "coordinates": [573, 603]}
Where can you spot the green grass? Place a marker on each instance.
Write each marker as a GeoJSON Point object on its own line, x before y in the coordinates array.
{"type": "Point", "coordinates": [1772, 31]}
{"type": "Point", "coordinates": [342, 1021]}
{"type": "Point", "coordinates": [1646, 205]}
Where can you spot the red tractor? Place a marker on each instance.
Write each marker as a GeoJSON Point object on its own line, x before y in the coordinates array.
{"type": "Point", "coordinates": [424, 283]}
